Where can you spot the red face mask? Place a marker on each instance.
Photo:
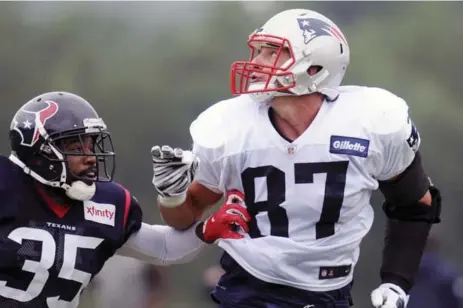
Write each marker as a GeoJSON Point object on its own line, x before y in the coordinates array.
{"type": "Point", "coordinates": [241, 70]}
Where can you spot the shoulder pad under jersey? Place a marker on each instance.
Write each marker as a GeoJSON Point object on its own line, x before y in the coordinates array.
{"type": "Point", "coordinates": [11, 176]}
{"type": "Point", "coordinates": [112, 193]}
{"type": "Point", "coordinates": [381, 111]}
{"type": "Point", "coordinates": [222, 121]}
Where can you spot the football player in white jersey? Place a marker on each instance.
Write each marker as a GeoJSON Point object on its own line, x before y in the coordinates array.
{"type": "Point", "coordinates": [307, 154]}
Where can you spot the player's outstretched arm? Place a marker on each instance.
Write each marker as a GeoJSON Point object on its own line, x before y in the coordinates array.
{"type": "Point", "coordinates": [163, 245]}
{"type": "Point", "coordinates": [412, 206]}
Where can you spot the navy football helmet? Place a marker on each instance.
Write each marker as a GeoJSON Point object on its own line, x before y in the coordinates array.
{"type": "Point", "coordinates": [37, 133]}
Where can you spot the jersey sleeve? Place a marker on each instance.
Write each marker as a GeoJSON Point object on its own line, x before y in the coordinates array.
{"type": "Point", "coordinates": [208, 139]}
{"type": "Point", "coordinates": [162, 245]}
{"type": "Point", "coordinates": [215, 134]}
{"type": "Point", "coordinates": [208, 173]}
{"type": "Point", "coordinates": [399, 141]}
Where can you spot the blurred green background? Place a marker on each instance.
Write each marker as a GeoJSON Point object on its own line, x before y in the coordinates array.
{"type": "Point", "coordinates": [150, 67]}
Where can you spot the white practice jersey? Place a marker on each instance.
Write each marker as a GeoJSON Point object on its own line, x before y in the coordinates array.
{"type": "Point", "coordinates": [310, 197]}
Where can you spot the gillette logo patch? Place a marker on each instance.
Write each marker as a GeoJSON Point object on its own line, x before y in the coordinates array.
{"type": "Point", "coordinates": [349, 146]}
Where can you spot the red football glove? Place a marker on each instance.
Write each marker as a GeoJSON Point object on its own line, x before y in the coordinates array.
{"type": "Point", "coordinates": [226, 223]}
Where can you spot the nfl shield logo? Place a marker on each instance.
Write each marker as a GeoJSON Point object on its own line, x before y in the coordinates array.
{"type": "Point", "coordinates": [291, 149]}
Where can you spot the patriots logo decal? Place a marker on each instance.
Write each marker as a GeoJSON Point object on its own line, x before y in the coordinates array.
{"type": "Point", "coordinates": [313, 28]}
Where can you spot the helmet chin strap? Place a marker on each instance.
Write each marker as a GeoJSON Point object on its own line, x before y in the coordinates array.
{"type": "Point", "coordinates": [78, 190]}
{"type": "Point", "coordinates": [261, 97]}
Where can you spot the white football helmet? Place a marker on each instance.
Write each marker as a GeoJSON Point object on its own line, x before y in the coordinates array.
{"type": "Point", "coordinates": [312, 40]}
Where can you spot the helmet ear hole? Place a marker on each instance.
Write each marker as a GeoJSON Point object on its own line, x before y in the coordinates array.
{"type": "Point", "coordinates": [47, 152]}
{"type": "Point", "coordinates": [314, 69]}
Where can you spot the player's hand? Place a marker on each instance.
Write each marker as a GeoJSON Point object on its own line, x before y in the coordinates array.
{"type": "Point", "coordinates": [389, 295]}
{"type": "Point", "coordinates": [174, 170]}
{"type": "Point", "coordinates": [229, 222]}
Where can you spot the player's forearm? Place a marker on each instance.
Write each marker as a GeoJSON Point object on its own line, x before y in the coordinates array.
{"type": "Point", "coordinates": [181, 216]}
{"type": "Point", "coordinates": [406, 237]}
{"type": "Point", "coordinates": [405, 242]}
{"type": "Point", "coordinates": [162, 245]}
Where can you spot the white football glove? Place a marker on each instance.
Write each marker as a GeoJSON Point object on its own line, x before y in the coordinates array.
{"type": "Point", "coordinates": [389, 295]}
{"type": "Point", "coordinates": [174, 170]}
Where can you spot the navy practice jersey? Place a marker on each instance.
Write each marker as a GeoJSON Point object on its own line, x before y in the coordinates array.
{"type": "Point", "coordinates": [50, 252]}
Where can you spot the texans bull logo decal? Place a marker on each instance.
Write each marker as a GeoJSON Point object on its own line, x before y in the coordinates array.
{"type": "Point", "coordinates": [28, 122]}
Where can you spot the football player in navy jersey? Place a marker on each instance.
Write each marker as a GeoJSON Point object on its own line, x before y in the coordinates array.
{"type": "Point", "coordinates": [62, 216]}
